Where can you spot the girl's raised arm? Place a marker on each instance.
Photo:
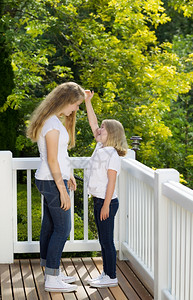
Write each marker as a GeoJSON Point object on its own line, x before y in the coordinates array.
{"type": "Point", "coordinates": [90, 112]}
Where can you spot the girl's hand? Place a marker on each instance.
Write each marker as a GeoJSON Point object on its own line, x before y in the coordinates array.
{"type": "Point", "coordinates": [104, 214]}
{"type": "Point", "coordinates": [89, 95]}
{"type": "Point", "coordinates": [72, 183]}
{"type": "Point", "coordinates": [65, 200]}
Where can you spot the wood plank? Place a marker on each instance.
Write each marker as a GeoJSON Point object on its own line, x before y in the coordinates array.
{"type": "Point", "coordinates": [69, 270]}
{"type": "Point", "coordinates": [116, 291]}
{"type": "Point", "coordinates": [18, 289]}
{"type": "Point", "coordinates": [56, 296]}
{"type": "Point", "coordinates": [70, 266]}
{"type": "Point", "coordinates": [126, 287]}
{"type": "Point", "coordinates": [137, 274]}
{"type": "Point", "coordinates": [39, 279]}
{"type": "Point", "coordinates": [14, 286]}
{"type": "Point", "coordinates": [29, 284]}
{"type": "Point", "coordinates": [134, 281]}
{"type": "Point", "coordinates": [5, 280]}
{"type": "Point", "coordinates": [91, 268]}
{"type": "Point", "coordinates": [93, 294]}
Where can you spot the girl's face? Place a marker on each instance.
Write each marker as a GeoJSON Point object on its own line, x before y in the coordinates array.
{"type": "Point", "coordinates": [102, 134]}
{"type": "Point", "coordinates": [69, 108]}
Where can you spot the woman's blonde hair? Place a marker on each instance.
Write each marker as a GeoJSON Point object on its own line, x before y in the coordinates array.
{"type": "Point", "coordinates": [64, 94]}
{"type": "Point", "coordinates": [116, 136]}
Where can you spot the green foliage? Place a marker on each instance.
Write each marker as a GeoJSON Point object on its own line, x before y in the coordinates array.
{"type": "Point", "coordinates": [135, 55]}
{"type": "Point", "coordinates": [9, 118]}
{"type": "Point", "coordinates": [183, 6]}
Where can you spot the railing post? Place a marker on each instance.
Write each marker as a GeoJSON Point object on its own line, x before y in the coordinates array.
{"type": "Point", "coordinates": [122, 195]}
{"type": "Point", "coordinates": [122, 211]}
{"type": "Point", "coordinates": [161, 233]}
{"type": "Point", "coordinates": [6, 208]}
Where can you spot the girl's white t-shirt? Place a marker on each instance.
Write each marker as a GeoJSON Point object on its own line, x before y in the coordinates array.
{"type": "Point", "coordinates": [43, 172]}
{"type": "Point", "coordinates": [102, 159]}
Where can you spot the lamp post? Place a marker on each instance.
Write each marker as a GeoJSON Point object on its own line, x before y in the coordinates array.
{"type": "Point", "coordinates": [136, 143]}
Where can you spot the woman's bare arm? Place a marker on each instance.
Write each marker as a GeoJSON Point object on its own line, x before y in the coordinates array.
{"type": "Point", "coordinates": [52, 138]}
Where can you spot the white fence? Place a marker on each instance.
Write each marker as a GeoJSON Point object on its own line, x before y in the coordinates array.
{"type": "Point", "coordinates": [154, 226]}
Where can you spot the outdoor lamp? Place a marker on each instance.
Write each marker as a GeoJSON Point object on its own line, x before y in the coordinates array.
{"type": "Point", "coordinates": [136, 142]}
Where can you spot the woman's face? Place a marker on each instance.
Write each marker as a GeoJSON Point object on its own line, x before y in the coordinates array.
{"type": "Point", "coordinates": [69, 108]}
{"type": "Point", "coordinates": [102, 134]}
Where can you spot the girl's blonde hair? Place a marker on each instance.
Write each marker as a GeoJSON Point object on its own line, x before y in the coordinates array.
{"type": "Point", "coordinates": [64, 94]}
{"type": "Point", "coordinates": [116, 136]}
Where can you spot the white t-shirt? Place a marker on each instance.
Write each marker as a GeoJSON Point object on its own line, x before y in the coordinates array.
{"type": "Point", "coordinates": [102, 159]}
{"type": "Point", "coordinates": [43, 172]}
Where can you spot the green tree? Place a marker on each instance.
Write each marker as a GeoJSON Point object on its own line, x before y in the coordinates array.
{"type": "Point", "coordinates": [8, 117]}
{"type": "Point", "coordinates": [177, 150]}
{"type": "Point", "coordinates": [183, 6]}
{"type": "Point", "coordinates": [180, 118]}
{"type": "Point", "coordinates": [109, 46]}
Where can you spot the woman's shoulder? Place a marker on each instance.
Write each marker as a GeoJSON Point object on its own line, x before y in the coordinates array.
{"type": "Point", "coordinates": [52, 119]}
{"type": "Point", "coordinates": [51, 123]}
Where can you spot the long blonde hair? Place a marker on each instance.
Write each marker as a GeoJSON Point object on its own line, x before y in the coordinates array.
{"type": "Point", "coordinates": [64, 94]}
{"type": "Point", "coordinates": [116, 136]}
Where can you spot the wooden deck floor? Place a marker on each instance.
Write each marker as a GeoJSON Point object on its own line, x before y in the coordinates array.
{"type": "Point", "coordinates": [25, 280]}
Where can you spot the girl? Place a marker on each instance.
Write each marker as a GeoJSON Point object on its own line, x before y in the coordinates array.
{"type": "Point", "coordinates": [105, 165]}
{"type": "Point", "coordinates": [53, 178]}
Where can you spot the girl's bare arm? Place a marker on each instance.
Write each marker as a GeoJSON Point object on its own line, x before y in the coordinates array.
{"type": "Point", "coordinates": [90, 112]}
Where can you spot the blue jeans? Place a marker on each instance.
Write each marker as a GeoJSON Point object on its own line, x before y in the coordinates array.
{"type": "Point", "coordinates": [106, 235]}
{"type": "Point", "coordinates": [56, 226]}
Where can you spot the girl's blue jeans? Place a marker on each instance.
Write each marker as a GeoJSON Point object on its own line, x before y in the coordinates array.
{"type": "Point", "coordinates": [56, 226]}
{"type": "Point", "coordinates": [106, 235]}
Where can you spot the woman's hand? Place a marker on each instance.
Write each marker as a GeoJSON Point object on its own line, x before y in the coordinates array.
{"type": "Point", "coordinates": [104, 214]}
{"type": "Point", "coordinates": [72, 183]}
{"type": "Point", "coordinates": [89, 95]}
{"type": "Point", "coordinates": [65, 199]}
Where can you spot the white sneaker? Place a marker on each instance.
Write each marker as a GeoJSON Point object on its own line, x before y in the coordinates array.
{"type": "Point", "coordinates": [67, 279]}
{"type": "Point", "coordinates": [55, 284]}
{"type": "Point", "coordinates": [106, 281]}
{"type": "Point", "coordinates": [89, 281]}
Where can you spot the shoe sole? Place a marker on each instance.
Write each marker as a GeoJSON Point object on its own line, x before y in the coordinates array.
{"type": "Point", "coordinates": [72, 280]}
{"type": "Point", "coordinates": [104, 285]}
{"type": "Point", "coordinates": [69, 281]}
{"type": "Point", "coordinates": [91, 281]}
{"type": "Point", "coordinates": [60, 290]}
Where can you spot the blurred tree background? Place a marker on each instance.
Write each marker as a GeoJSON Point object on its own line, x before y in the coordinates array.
{"type": "Point", "coordinates": [136, 55]}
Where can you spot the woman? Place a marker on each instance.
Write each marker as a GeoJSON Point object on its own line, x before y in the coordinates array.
{"type": "Point", "coordinates": [53, 178]}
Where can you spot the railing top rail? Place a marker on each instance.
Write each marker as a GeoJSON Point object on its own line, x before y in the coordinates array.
{"type": "Point", "coordinates": [179, 193]}
{"type": "Point", "coordinates": [25, 163]}
{"type": "Point", "coordinates": [31, 163]}
{"type": "Point", "coordinates": [139, 171]}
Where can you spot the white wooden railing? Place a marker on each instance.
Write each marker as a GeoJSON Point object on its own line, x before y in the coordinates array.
{"type": "Point", "coordinates": [30, 246]}
{"type": "Point", "coordinates": [154, 225]}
